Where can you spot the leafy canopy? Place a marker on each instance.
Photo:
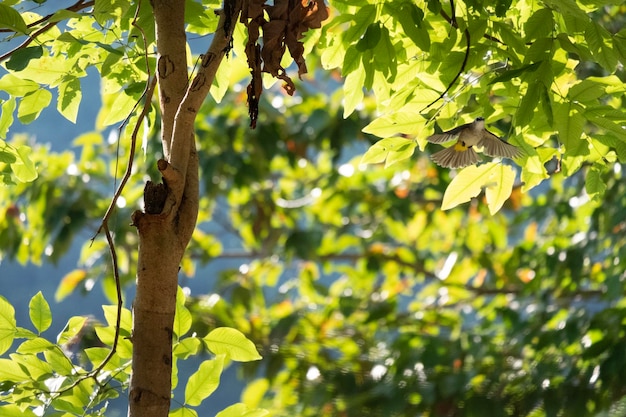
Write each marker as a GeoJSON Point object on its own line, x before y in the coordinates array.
{"type": "Point", "coordinates": [363, 297]}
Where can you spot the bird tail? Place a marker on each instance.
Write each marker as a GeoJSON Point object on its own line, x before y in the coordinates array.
{"type": "Point", "coordinates": [453, 158]}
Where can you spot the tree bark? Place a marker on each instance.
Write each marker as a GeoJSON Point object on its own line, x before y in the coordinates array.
{"type": "Point", "coordinates": [171, 208]}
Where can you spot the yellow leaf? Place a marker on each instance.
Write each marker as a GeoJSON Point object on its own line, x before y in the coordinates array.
{"type": "Point", "coordinates": [496, 178]}
{"type": "Point", "coordinates": [69, 282]}
{"type": "Point", "coordinates": [466, 185]}
{"type": "Point", "coordinates": [500, 189]}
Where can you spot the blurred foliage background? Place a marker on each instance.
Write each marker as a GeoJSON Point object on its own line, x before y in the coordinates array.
{"type": "Point", "coordinates": [364, 297]}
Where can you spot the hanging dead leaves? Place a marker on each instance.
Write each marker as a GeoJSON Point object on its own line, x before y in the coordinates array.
{"type": "Point", "coordinates": [283, 24]}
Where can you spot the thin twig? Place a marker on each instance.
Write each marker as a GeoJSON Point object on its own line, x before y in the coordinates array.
{"type": "Point", "coordinates": [147, 94]}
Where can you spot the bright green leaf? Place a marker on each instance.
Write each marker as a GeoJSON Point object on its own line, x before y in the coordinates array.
{"type": "Point", "coordinates": [392, 124]}
{"type": "Point", "coordinates": [70, 95]}
{"type": "Point", "coordinates": [390, 150]}
{"type": "Point", "coordinates": [24, 168]}
{"type": "Point", "coordinates": [16, 86]}
{"type": "Point", "coordinates": [569, 123]}
{"type": "Point", "coordinates": [110, 315]}
{"type": "Point", "coordinates": [183, 412]}
{"type": "Point", "coordinates": [187, 347]}
{"type": "Point", "coordinates": [10, 370]}
{"type": "Point", "coordinates": [7, 325]}
{"type": "Point", "coordinates": [204, 381]}
{"type": "Point", "coordinates": [36, 345]}
{"type": "Point", "coordinates": [182, 318]}
{"type": "Point", "coordinates": [74, 325]}
{"type": "Point", "coordinates": [39, 311]}
{"type": "Point", "coordinates": [13, 410]}
{"type": "Point", "coordinates": [353, 90]}
{"type": "Point", "coordinates": [233, 343]}
{"type": "Point", "coordinates": [242, 410]}
{"type": "Point", "coordinates": [32, 104]}
{"type": "Point", "coordinates": [6, 118]}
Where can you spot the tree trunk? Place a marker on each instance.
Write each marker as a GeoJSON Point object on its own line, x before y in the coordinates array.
{"type": "Point", "coordinates": [171, 208]}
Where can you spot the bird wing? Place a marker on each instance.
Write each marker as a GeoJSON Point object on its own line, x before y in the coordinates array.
{"type": "Point", "coordinates": [451, 158]}
{"type": "Point", "coordinates": [494, 146]}
{"type": "Point", "coordinates": [447, 136]}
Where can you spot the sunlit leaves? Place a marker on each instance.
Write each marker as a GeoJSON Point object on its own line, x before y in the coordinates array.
{"type": "Point", "coordinates": [39, 311]}
{"type": "Point", "coordinates": [389, 151]}
{"type": "Point", "coordinates": [32, 104]}
{"type": "Point", "coordinates": [70, 95]}
{"type": "Point", "coordinates": [204, 381]}
{"type": "Point", "coordinates": [7, 325]}
{"type": "Point", "coordinates": [232, 343]}
{"type": "Point", "coordinates": [242, 410]}
{"type": "Point", "coordinates": [18, 158]}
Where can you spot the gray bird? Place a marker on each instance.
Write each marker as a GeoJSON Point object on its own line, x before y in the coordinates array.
{"type": "Point", "coordinates": [462, 153]}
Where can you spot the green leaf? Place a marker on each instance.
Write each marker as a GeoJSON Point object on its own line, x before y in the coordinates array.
{"type": "Point", "coordinates": [569, 123]}
{"type": "Point", "coordinates": [182, 318]}
{"type": "Point", "coordinates": [539, 25]}
{"type": "Point", "coordinates": [7, 325]}
{"type": "Point", "coordinates": [204, 381]}
{"type": "Point", "coordinates": [469, 182]}
{"type": "Point", "coordinates": [187, 347]}
{"type": "Point", "coordinates": [501, 188]}
{"type": "Point", "coordinates": [110, 315]}
{"type": "Point", "coordinates": [70, 95]}
{"type": "Point", "coordinates": [601, 51]}
{"type": "Point", "coordinates": [514, 73]}
{"type": "Point", "coordinates": [353, 90]}
{"type": "Point", "coordinates": [17, 87]}
{"type": "Point", "coordinates": [24, 168]}
{"type": "Point", "coordinates": [13, 410]}
{"type": "Point", "coordinates": [20, 58]}
{"type": "Point", "coordinates": [385, 56]}
{"type": "Point", "coordinates": [119, 109]}
{"type": "Point", "coordinates": [36, 345]}
{"type": "Point", "coordinates": [362, 19]}
{"type": "Point", "coordinates": [10, 370]}
{"type": "Point", "coordinates": [6, 118]}
{"type": "Point", "coordinates": [39, 311]}
{"type": "Point", "coordinates": [74, 325]}
{"type": "Point", "coordinates": [528, 104]}
{"type": "Point", "coordinates": [32, 104]}
{"type": "Point", "coordinates": [586, 90]}
{"type": "Point", "coordinates": [59, 362]}
{"type": "Point", "coordinates": [398, 122]}
{"type": "Point", "coordinates": [242, 410]}
{"type": "Point", "coordinates": [594, 185]}
{"type": "Point", "coordinates": [233, 343]}
{"type": "Point", "coordinates": [183, 412]}
{"type": "Point", "coordinates": [390, 150]}
{"type": "Point", "coordinates": [12, 20]}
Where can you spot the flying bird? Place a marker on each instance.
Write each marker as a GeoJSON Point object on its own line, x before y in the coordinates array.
{"type": "Point", "coordinates": [469, 135]}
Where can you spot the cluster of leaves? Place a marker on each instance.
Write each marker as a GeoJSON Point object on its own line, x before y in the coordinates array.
{"type": "Point", "coordinates": [89, 362]}
{"type": "Point", "coordinates": [562, 56]}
